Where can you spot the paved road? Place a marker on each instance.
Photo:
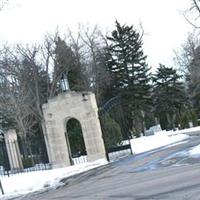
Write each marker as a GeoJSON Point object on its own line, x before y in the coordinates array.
{"type": "Point", "coordinates": [167, 174]}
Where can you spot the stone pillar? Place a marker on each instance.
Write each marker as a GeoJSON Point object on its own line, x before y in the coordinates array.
{"type": "Point", "coordinates": [13, 150]}
{"type": "Point", "coordinates": [92, 130]}
{"type": "Point", "coordinates": [56, 144]}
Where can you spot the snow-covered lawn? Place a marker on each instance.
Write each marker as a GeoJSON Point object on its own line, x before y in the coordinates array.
{"type": "Point", "coordinates": [188, 130]}
{"type": "Point", "coordinates": [163, 138]}
{"type": "Point", "coordinates": [20, 184]}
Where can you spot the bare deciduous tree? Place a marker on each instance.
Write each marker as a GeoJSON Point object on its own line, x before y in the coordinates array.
{"type": "Point", "coordinates": [15, 99]}
{"type": "Point", "coordinates": [94, 45]}
{"type": "Point", "coordinates": [3, 3]}
{"type": "Point", "coordinates": [193, 13]}
{"type": "Point", "coordinates": [188, 60]}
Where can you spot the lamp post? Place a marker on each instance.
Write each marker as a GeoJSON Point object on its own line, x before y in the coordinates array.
{"type": "Point", "coordinates": [64, 84]}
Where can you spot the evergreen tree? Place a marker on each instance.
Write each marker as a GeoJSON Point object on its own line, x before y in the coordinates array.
{"type": "Point", "coordinates": [112, 133]}
{"type": "Point", "coordinates": [65, 63]}
{"type": "Point", "coordinates": [130, 73]}
{"type": "Point", "coordinates": [169, 96]}
{"type": "Point", "coordinates": [188, 117]}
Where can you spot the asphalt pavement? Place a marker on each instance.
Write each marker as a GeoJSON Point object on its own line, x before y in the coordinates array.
{"type": "Point", "coordinates": [163, 174]}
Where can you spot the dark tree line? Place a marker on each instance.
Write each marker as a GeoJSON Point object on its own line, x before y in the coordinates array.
{"type": "Point", "coordinates": [109, 66]}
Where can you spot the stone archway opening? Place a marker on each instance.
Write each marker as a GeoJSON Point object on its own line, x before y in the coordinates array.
{"type": "Point", "coordinates": [75, 141]}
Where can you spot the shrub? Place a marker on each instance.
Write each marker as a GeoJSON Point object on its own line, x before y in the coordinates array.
{"type": "Point", "coordinates": [111, 131]}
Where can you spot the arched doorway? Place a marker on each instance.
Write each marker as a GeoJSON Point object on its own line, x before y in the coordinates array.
{"type": "Point", "coordinates": [75, 140]}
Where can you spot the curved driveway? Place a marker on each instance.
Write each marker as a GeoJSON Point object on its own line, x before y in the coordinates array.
{"type": "Point", "coordinates": [164, 174]}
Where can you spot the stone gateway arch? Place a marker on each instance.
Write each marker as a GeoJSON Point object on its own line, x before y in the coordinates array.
{"type": "Point", "coordinates": [82, 107]}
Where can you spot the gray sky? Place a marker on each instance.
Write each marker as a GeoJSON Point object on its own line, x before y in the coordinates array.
{"type": "Point", "coordinates": [162, 20]}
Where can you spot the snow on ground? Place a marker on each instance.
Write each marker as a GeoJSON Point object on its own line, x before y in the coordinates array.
{"type": "Point", "coordinates": [194, 129]}
{"type": "Point", "coordinates": [24, 183]}
{"type": "Point", "coordinates": [20, 184]}
{"type": "Point", "coordinates": [195, 151]}
{"type": "Point", "coordinates": [163, 138]}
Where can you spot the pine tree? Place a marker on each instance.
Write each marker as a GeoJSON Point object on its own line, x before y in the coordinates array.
{"type": "Point", "coordinates": [129, 71]}
{"type": "Point", "coordinates": [169, 96]}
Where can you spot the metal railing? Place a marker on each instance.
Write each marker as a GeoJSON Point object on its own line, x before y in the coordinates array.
{"type": "Point", "coordinates": [118, 152]}
{"type": "Point", "coordinates": [21, 157]}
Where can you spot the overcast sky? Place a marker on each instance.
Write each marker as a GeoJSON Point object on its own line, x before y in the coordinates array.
{"type": "Point", "coordinates": [162, 20]}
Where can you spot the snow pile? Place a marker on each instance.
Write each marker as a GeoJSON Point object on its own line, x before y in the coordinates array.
{"type": "Point", "coordinates": [195, 151]}
{"type": "Point", "coordinates": [33, 181]}
{"type": "Point", "coordinates": [188, 130]}
{"type": "Point", "coordinates": [143, 144]}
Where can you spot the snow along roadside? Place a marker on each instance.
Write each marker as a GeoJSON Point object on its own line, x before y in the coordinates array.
{"type": "Point", "coordinates": [20, 184]}
{"type": "Point", "coordinates": [147, 143]}
{"type": "Point", "coordinates": [195, 152]}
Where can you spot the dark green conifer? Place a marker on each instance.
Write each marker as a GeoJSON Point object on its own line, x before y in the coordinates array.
{"type": "Point", "coordinates": [129, 71]}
